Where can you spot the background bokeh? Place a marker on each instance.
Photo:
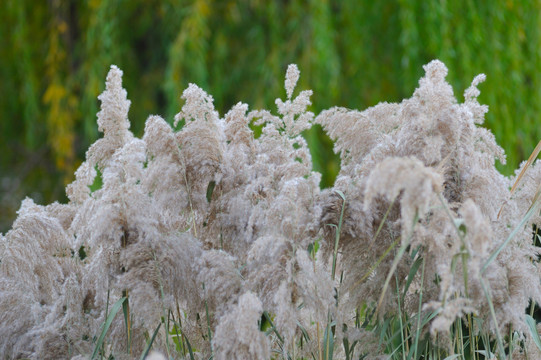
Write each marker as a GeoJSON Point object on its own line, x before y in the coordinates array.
{"type": "Point", "coordinates": [54, 56]}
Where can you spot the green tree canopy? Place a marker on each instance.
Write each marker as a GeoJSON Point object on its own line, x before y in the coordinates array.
{"type": "Point", "coordinates": [55, 56]}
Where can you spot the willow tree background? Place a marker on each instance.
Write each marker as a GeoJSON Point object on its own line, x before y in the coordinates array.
{"type": "Point", "coordinates": [55, 55]}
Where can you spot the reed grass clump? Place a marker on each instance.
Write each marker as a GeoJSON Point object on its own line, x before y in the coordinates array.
{"type": "Point", "coordinates": [202, 240]}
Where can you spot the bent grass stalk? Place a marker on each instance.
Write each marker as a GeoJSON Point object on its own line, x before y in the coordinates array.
{"type": "Point", "coordinates": [529, 162]}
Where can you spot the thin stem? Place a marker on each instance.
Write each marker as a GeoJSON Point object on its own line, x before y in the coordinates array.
{"type": "Point", "coordinates": [419, 310]}
{"type": "Point", "coordinates": [338, 230]}
{"type": "Point", "coordinates": [164, 315]}
{"type": "Point", "coordinates": [402, 343]}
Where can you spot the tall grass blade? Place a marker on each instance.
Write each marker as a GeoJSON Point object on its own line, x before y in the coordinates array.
{"type": "Point", "coordinates": [413, 271]}
{"type": "Point", "coordinates": [487, 354]}
{"type": "Point", "coordinates": [376, 264]}
{"type": "Point", "coordinates": [529, 213]}
{"type": "Point", "coordinates": [273, 327]}
{"type": "Point", "coordinates": [493, 314]}
{"type": "Point", "coordinates": [532, 326]}
{"type": "Point", "coordinates": [396, 260]}
{"type": "Point", "coordinates": [455, 356]}
{"type": "Point", "coordinates": [418, 330]}
{"type": "Point", "coordinates": [127, 322]}
{"type": "Point", "coordinates": [209, 330]}
{"type": "Point", "coordinates": [165, 315]}
{"type": "Point", "coordinates": [532, 157]}
{"type": "Point", "coordinates": [303, 331]}
{"type": "Point", "coordinates": [114, 310]}
{"type": "Point", "coordinates": [210, 190]}
{"type": "Point", "coordinates": [328, 342]}
{"type": "Point", "coordinates": [402, 329]}
{"type": "Point", "coordinates": [182, 338]}
{"type": "Point", "coordinates": [192, 357]}
{"type": "Point", "coordinates": [348, 350]}
{"type": "Point", "coordinates": [150, 342]}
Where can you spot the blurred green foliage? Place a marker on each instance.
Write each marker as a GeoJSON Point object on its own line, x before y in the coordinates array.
{"type": "Point", "coordinates": [55, 55]}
